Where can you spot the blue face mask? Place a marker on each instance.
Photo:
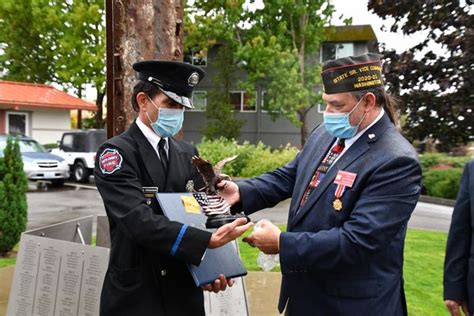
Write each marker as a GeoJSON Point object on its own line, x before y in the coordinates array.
{"type": "Point", "coordinates": [169, 121]}
{"type": "Point", "coordinates": [339, 125]}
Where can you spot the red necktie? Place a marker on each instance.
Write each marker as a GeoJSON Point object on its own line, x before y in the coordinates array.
{"type": "Point", "coordinates": [322, 169]}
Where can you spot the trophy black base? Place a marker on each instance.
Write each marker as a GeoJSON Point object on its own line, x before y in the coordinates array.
{"type": "Point", "coordinates": [217, 221]}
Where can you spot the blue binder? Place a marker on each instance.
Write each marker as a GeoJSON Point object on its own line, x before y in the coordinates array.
{"type": "Point", "coordinates": [223, 260]}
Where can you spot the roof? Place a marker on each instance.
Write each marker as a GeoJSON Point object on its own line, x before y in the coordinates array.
{"type": "Point", "coordinates": [40, 96]}
{"type": "Point", "coordinates": [351, 33]}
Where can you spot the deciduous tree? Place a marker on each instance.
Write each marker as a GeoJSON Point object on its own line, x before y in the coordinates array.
{"type": "Point", "coordinates": [27, 40]}
{"type": "Point", "coordinates": [214, 25]}
{"type": "Point", "coordinates": [276, 45]}
{"type": "Point", "coordinates": [434, 78]}
{"type": "Point", "coordinates": [80, 55]}
{"type": "Point", "coordinates": [56, 41]}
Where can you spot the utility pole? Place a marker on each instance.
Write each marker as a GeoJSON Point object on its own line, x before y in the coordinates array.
{"type": "Point", "coordinates": [137, 30]}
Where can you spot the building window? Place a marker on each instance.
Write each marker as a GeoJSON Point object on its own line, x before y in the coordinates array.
{"type": "Point", "coordinates": [242, 101]}
{"type": "Point", "coordinates": [264, 102]}
{"type": "Point", "coordinates": [264, 105]}
{"type": "Point", "coordinates": [236, 100]}
{"type": "Point", "coordinates": [196, 58]}
{"type": "Point", "coordinates": [336, 50]}
{"type": "Point", "coordinates": [249, 104]}
{"type": "Point", "coordinates": [199, 101]}
{"type": "Point", "coordinates": [17, 123]}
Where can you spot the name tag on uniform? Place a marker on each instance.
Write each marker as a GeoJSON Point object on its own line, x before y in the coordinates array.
{"type": "Point", "coordinates": [149, 193]}
{"type": "Point", "coordinates": [345, 178]}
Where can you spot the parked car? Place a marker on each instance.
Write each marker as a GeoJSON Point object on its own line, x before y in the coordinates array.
{"type": "Point", "coordinates": [38, 163]}
{"type": "Point", "coordinates": [79, 149]}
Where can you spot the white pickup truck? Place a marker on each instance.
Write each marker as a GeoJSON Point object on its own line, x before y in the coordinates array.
{"type": "Point", "coordinates": [79, 148]}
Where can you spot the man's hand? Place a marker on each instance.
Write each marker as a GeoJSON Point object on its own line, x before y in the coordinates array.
{"type": "Point", "coordinates": [229, 191]}
{"type": "Point", "coordinates": [229, 232]}
{"type": "Point", "coordinates": [453, 307]}
{"type": "Point", "coordinates": [218, 285]}
{"type": "Point", "coordinates": [266, 238]}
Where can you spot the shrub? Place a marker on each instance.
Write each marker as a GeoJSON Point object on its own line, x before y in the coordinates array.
{"type": "Point", "coordinates": [221, 148]}
{"type": "Point", "coordinates": [264, 159]}
{"type": "Point", "coordinates": [442, 183]}
{"type": "Point", "coordinates": [457, 162]}
{"type": "Point", "coordinates": [13, 187]}
{"type": "Point", "coordinates": [252, 160]}
{"type": "Point", "coordinates": [429, 161]}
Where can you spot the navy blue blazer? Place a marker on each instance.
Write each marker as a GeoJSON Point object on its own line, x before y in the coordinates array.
{"type": "Point", "coordinates": [459, 261]}
{"type": "Point", "coordinates": [346, 262]}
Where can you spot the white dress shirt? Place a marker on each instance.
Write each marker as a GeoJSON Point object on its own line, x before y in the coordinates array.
{"type": "Point", "coordinates": [152, 137]}
{"type": "Point", "coordinates": [349, 141]}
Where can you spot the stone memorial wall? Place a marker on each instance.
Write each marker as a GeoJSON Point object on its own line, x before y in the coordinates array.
{"type": "Point", "coordinates": [56, 277]}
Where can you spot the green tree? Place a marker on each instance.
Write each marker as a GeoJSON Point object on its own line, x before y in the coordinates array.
{"type": "Point", "coordinates": [13, 187]}
{"type": "Point", "coordinates": [81, 48]}
{"type": "Point", "coordinates": [433, 78]}
{"type": "Point", "coordinates": [202, 33]}
{"type": "Point", "coordinates": [55, 41]}
{"type": "Point", "coordinates": [219, 113]}
{"type": "Point", "coordinates": [276, 45]}
{"type": "Point", "coordinates": [27, 40]}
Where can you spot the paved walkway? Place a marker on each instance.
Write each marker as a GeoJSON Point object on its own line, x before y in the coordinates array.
{"type": "Point", "coordinates": [426, 216]}
{"type": "Point", "coordinates": [57, 205]}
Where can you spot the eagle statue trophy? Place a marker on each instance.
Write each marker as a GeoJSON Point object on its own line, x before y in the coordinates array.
{"type": "Point", "coordinates": [213, 205]}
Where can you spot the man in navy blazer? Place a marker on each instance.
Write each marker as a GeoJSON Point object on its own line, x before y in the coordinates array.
{"type": "Point", "coordinates": [342, 253]}
{"type": "Point", "coordinates": [459, 261]}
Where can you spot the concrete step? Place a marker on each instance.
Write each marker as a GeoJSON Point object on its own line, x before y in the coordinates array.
{"type": "Point", "coordinates": [262, 288]}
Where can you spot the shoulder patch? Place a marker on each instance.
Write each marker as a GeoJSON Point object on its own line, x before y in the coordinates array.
{"type": "Point", "coordinates": [110, 161]}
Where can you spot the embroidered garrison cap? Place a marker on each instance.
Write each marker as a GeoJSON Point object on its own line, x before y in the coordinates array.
{"type": "Point", "coordinates": [175, 79]}
{"type": "Point", "coordinates": [352, 73]}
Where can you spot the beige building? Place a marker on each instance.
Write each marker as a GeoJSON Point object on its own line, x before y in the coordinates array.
{"type": "Point", "coordinates": [36, 110]}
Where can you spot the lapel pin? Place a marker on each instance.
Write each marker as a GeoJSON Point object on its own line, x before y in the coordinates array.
{"type": "Point", "coordinates": [371, 136]}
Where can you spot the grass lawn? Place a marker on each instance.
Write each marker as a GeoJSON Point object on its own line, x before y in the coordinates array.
{"type": "Point", "coordinates": [424, 258]}
{"type": "Point", "coordinates": [10, 259]}
{"type": "Point", "coordinates": [5, 262]}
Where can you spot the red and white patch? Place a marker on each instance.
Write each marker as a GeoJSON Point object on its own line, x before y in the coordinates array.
{"type": "Point", "coordinates": [110, 161]}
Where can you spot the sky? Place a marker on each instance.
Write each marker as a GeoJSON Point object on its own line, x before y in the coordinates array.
{"type": "Point", "coordinates": [357, 9]}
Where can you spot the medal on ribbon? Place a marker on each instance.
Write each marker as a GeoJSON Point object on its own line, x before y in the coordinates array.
{"type": "Point", "coordinates": [343, 180]}
{"type": "Point", "coordinates": [337, 203]}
